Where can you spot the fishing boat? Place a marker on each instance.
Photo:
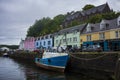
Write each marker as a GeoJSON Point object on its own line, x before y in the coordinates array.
{"type": "Point", "coordinates": [55, 61]}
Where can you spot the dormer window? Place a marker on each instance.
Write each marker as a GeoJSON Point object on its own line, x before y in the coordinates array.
{"type": "Point", "coordinates": [75, 31]}
{"type": "Point", "coordinates": [104, 26]}
{"type": "Point", "coordinates": [107, 25]}
{"type": "Point", "coordinates": [89, 28]}
{"type": "Point", "coordinates": [118, 21]}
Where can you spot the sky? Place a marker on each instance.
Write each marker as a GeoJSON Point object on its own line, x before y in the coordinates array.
{"type": "Point", "coordinates": [16, 16]}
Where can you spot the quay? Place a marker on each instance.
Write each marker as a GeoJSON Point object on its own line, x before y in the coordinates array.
{"type": "Point", "coordinates": [91, 64]}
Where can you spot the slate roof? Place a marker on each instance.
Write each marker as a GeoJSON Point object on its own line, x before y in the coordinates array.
{"type": "Point", "coordinates": [71, 29]}
{"type": "Point", "coordinates": [87, 12]}
{"type": "Point", "coordinates": [96, 27]}
{"type": "Point", "coordinates": [93, 10]}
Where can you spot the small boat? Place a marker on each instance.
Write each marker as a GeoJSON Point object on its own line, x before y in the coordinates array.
{"type": "Point", "coordinates": [5, 55]}
{"type": "Point", "coordinates": [53, 61]}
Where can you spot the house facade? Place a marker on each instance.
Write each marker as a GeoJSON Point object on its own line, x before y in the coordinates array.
{"type": "Point", "coordinates": [69, 37]}
{"type": "Point", "coordinates": [106, 34]}
{"type": "Point", "coordinates": [29, 44]}
{"type": "Point", "coordinates": [45, 42]}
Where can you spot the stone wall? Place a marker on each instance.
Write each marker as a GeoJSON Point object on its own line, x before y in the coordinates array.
{"type": "Point", "coordinates": [93, 64]}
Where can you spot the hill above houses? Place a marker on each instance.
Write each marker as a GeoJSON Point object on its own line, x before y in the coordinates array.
{"type": "Point", "coordinates": [89, 14]}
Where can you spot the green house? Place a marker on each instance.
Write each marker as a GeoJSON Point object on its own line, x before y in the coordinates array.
{"type": "Point", "coordinates": [69, 37]}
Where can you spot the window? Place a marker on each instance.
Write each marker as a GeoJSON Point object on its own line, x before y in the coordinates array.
{"type": "Point", "coordinates": [50, 36]}
{"type": "Point", "coordinates": [74, 39]}
{"type": "Point", "coordinates": [40, 43]}
{"type": "Point", "coordinates": [104, 26]}
{"type": "Point", "coordinates": [44, 43]}
{"type": "Point", "coordinates": [88, 37]}
{"type": "Point", "coordinates": [60, 40]}
{"type": "Point", "coordinates": [67, 39]}
{"type": "Point", "coordinates": [64, 40]}
{"type": "Point", "coordinates": [88, 28]}
{"type": "Point", "coordinates": [37, 44]}
{"type": "Point", "coordinates": [75, 32]}
{"type": "Point", "coordinates": [116, 34]}
{"type": "Point", "coordinates": [56, 41]}
{"type": "Point", "coordinates": [102, 35]}
{"type": "Point", "coordinates": [49, 42]}
{"type": "Point", "coordinates": [70, 39]}
{"type": "Point", "coordinates": [38, 38]}
{"type": "Point", "coordinates": [46, 37]}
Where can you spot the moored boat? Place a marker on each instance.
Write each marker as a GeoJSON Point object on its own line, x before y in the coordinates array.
{"type": "Point", "coordinates": [53, 61]}
{"type": "Point", "coordinates": [5, 55]}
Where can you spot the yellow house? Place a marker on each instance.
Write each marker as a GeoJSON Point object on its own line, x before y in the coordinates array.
{"type": "Point", "coordinates": [106, 34]}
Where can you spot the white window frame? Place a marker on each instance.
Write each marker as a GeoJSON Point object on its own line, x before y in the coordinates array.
{"type": "Point", "coordinates": [88, 37]}
{"type": "Point", "coordinates": [101, 36]}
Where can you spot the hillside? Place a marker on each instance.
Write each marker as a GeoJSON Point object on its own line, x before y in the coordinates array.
{"type": "Point", "coordinates": [47, 25]}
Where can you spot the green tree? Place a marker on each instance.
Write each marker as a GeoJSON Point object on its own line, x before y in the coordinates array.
{"type": "Point", "coordinates": [110, 15]}
{"type": "Point", "coordinates": [95, 19]}
{"type": "Point", "coordinates": [88, 6]}
{"type": "Point", "coordinates": [45, 26]}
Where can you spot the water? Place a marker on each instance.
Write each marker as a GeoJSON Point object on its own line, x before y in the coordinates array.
{"type": "Point", "coordinates": [15, 70]}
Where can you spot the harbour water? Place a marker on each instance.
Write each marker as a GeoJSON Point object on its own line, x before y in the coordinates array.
{"type": "Point", "coordinates": [11, 69]}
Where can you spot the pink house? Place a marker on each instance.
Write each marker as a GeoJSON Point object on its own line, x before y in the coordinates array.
{"type": "Point", "coordinates": [29, 43]}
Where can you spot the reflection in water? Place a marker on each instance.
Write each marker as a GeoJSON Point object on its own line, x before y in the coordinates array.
{"type": "Point", "coordinates": [9, 70]}
{"type": "Point", "coordinates": [16, 70]}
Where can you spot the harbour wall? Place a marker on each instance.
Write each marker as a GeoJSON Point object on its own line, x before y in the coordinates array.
{"type": "Point", "coordinates": [103, 64]}
{"type": "Point", "coordinates": [25, 56]}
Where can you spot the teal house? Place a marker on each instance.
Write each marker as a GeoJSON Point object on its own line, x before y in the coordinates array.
{"type": "Point", "coordinates": [69, 37]}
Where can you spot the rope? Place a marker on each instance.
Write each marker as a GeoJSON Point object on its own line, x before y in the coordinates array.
{"type": "Point", "coordinates": [88, 59]}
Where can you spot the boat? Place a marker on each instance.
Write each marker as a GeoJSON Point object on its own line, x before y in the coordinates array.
{"type": "Point", "coordinates": [55, 61]}
{"type": "Point", "coordinates": [5, 55]}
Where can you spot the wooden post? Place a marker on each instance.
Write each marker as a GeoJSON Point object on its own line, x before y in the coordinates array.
{"type": "Point", "coordinates": [117, 70]}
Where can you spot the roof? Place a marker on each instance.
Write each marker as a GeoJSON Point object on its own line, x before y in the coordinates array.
{"type": "Point", "coordinates": [93, 10]}
{"type": "Point", "coordinates": [71, 29]}
{"type": "Point", "coordinates": [87, 12]}
{"type": "Point", "coordinates": [112, 24]}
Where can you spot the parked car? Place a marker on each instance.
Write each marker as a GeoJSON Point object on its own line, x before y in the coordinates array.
{"type": "Point", "coordinates": [92, 48]}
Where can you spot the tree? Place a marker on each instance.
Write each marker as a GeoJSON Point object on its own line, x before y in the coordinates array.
{"type": "Point", "coordinates": [45, 26]}
{"type": "Point", "coordinates": [111, 15]}
{"type": "Point", "coordinates": [95, 19]}
{"type": "Point", "coordinates": [88, 6]}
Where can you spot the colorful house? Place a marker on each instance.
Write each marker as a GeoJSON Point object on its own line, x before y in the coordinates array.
{"type": "Point", "coordinates": [29, 44]}
{"type": "Point", "coordinates": [68, 37]}
{"type": "Point", "coordinates": [106, 34]}
{"type": "Point", "coordinates": [45, 42]}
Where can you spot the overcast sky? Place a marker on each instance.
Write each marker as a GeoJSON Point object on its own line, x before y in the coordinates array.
{"type": "Point", "coordinates": [17, 15]}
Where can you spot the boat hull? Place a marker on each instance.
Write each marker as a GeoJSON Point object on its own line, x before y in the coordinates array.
{"type": "Point", "coordinates": [53, 68]}
{"type": "Point", "coordinates": [57, 63]}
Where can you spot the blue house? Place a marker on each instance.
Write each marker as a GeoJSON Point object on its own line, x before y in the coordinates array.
{"type": "Point", "coordinates": [45, 42]}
